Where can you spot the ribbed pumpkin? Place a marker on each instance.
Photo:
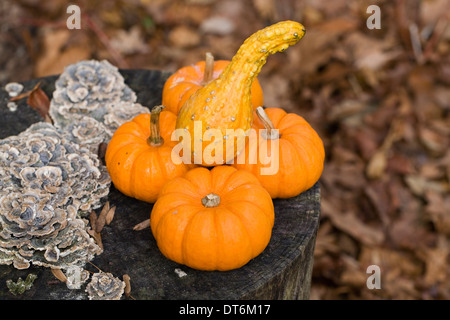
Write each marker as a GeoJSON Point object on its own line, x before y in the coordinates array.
{"type": "Point", "coordinates": [139, 155]}
{"type": "Point", "coordinates": [295, 145]}
{"type": "Point", "coordinates": [225, 103]}
{"type": "Point", "coordinates": [187, 80]}
{"type": "Point", "coordinates": [215, 219]}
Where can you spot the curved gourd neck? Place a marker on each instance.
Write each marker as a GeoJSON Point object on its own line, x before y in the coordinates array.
{"type": "Point", "coordinates": [252, 55]}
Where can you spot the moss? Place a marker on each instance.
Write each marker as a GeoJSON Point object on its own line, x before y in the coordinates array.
{"type": "Point", "coordinates": [19, 287]}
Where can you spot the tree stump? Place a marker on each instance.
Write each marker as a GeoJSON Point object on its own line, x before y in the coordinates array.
{"type": "Point", "coordinates": [281, 271]}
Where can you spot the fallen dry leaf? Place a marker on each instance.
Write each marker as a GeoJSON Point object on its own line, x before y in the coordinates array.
{"type": "Point", "coordinates": [110, 215]}
{"type": "Point", "coordinates": [419, 184]}
{"type": "Point", "coordinates": [184, 37]}
{"type": "Point", "coordinates": [435, 259]}
{"type": "Point", "coordinates": [142, 225]}
{"type": "Point", "coordinates": [102, 147]}
{"type": "Point", "coordinates": [377, 165]}
{"type": "Point", "coordinates": [129, 42]}
{"type": "Point", "coordinates": [438, 208]}
{"type": "Point", "coordinates": [39, 101]}
{"type": "Point", "coordinates": [93, 219]}
{"type": "Point", "coordinates": [326, 240]}
{"type": "Point", "coordinates": [353, 275]}
{"type": "Point", "coordinates": [352, 225]}
{"type": "Point", "coordinates": [59, 50]}
{"type": "Point", "coordinates": [97, 237]}
{"type": "Point", "coordinates": [383, 116]}
{"type": "Point", "coordinates": [59, 275]}
{"type": "Point", "coordinates": [266, 8]}
{"type": "Point", "coordinates": [436, 143]}
{"type": "Point", "coordinates": [391, 262]}
{"type": "Point", "coordinates": [101, 219]}
{"type": "Point", "coordinates": [127, 290]}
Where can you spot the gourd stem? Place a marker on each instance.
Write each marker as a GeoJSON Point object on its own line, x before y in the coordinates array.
{"type": "Point", "coordinates": [209, 68]}
{"type": "Point", "coordinates": [271, 133]}
{"type": "Point", "coordinates": [211, 200]}
{"type": "Point", "coordinates": [155, 139]}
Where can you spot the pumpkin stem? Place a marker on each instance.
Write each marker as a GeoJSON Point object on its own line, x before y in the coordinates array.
{"type": "Point", "coordinates": [271, 133]}
{"type": "Point", "coordinates": [209, 68]}
{"type": "Point", "coordinates": [211, 200]}
{"type": "Point", "coordinates": [155, 139]}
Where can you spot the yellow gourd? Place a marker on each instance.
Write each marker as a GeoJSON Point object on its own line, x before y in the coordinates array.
{"type": "Point", "coordinates": [225, 103]}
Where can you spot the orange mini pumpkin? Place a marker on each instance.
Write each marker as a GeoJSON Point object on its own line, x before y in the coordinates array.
{"type": "Point", "coordinates": [286, 161]}
{"type": "Point", "coordinates": [139, 155]}
{"type": "Point", "coordinates": [215, 219]}
{"type": "Point", "coordinates": [187, 80]}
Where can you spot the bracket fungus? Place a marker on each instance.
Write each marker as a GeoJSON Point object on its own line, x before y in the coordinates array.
{"type": "Point", "coordinates": [86, 131]}
{"type": "Point", "coordinates": [51, 177]}
{"type": "Point", "coordinates": [13, 88]}
{"type": "Point", "coordinates": [104, 286]}
{"type": "Point", "coordinates": [76, 276]}
{"type": "Point", "coordinates": [94, 89]}
{"type": "Point", "coordinates": [47, 185]}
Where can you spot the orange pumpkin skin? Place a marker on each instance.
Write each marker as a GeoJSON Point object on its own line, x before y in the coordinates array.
{"type": "Point", "coordinates": [138, 169]}
{"type": "Point", "coordinates": [187, 80]}
{"type": "Point", "coordinates": [223, 237]}
{"type": "Point", "coordinates": [300, 152]}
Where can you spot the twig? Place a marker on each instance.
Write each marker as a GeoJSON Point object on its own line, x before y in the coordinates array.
{"type": "Point", "coordinates": [42, 23]}
{"type": "Point", "coordinates": [415, 42]}
{"type": "Point", "coordinates": [25, 94]}
{"type": "Point", "coordinates": [439, 29]}
{"type": "Point", "coordinates": [95, 266]}
{"type": "Point", "coordinates": [121, 63]}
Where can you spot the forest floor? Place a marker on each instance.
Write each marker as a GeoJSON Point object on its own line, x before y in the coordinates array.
{"type": "Point", "coordinates": [379, 99]}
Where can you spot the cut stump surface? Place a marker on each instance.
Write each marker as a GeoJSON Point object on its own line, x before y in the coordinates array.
{"type": "Point", "coordinates": [281, 271]}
